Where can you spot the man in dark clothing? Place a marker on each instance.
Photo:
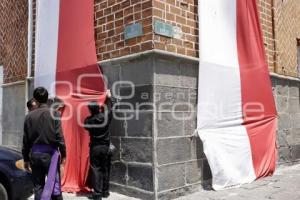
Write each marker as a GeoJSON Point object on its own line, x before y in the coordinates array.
{"type": "Point", "coordinates": [31, 104]}
{"type": "Point", "coordinates": [98, 126]}
{"type": "Point", "coordinates": [41, 141]}
{"type": "Point", "coordinates": [56, 104]}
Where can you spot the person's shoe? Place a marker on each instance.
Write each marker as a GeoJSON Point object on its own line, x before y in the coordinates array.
{"type": "Point", "coordinates": [97, 197]}
{"type": "Point", "coordinates": [59, 197]}
{"type": "Point", "coordinates": [105, 194]}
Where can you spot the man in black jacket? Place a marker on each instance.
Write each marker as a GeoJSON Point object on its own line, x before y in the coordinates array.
{"type": "Point", "coordinates": [98, 126]}
{"type": "Point", "coordinates": [41, 141]}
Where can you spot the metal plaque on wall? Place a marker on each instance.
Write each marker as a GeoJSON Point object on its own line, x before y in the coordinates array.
{"type": "Point", "coordinates": [133, 31]}
{"type": "Point", "coordinates": [162, 28]}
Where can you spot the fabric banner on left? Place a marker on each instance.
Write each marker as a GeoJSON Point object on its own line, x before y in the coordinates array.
{"type": "Point", "coordinates": [66, 64]}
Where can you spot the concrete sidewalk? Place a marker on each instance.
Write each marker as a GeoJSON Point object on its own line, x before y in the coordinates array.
{"type": "Point", "coordinates": [113, 196]}
{"type": "Point", "coordinates": [285, 184]}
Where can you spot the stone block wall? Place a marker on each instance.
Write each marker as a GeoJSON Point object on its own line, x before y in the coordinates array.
{"type": "Point", "coordinates": [132, 126]}
{"type": "Point", "coordinates": [286, 93]}
{"type": "Point", "coordinates": [157, 156]}
{"type": "Point", "coordinates": [13, 111]}
{"type": "Point", "coordinates": [179, 157]}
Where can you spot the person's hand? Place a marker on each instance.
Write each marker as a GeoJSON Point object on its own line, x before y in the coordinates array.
{"type": "Point", "coordinates": [62, 166]}
{"type": "Point", "coordinates": [27, 166]}
{"type": "Point", "coordinates": [63, 162]}
{"type": "Point", "coordinates": [108, 93]}
{"type": "Point", "coordinates": [62, 170]}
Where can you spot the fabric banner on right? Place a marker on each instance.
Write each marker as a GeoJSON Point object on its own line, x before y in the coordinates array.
{"type": "Point", "coordinates": [237, 119]}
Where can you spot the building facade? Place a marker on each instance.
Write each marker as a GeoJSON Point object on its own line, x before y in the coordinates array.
{"type": "Point", "coordinates": [158, 157]}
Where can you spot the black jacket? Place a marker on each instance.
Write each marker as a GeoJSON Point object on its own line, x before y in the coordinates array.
{"type": "Point", "coordinates": [98, 124]}
{"type": "Point", "coordinates": [41, 128]}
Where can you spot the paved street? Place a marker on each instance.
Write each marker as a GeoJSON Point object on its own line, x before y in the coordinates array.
{"type": "Point", "coordinates": [285, 184]}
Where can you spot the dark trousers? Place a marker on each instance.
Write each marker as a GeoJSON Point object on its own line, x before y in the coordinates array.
{"type": "Point", "coordinates": [40, 163]}
{"type": "Point", "coordinates": [100, 168]}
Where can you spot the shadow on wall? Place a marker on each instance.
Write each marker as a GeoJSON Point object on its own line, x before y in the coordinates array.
{"type": "Point", "coordinates": [203, 165]}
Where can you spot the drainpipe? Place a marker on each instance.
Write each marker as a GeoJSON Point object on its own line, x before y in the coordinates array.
{"type": "Point", "coordinates": [29, 49]}
{"type": "Point", "coordinates": [274, 37]}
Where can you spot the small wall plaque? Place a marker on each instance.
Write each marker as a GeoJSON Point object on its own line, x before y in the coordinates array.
{"type": "Point", "coordinates": [177, 32]}
{"type": "Point", "coordinates": [162, 28]}
{"type": "Point", "coordinates": [133, 31]}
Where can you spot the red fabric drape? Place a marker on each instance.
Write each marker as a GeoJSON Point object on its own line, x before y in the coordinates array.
{"type": "Point", "coordinates": [256, 89]}
{"type": "Point", "coordinates": [78, 81]}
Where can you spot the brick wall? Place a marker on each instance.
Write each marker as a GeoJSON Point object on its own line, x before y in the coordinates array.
{"type": "Point", "coordinates": [111, 17]}
{"type": "Point", "coordinates": [13, 39]}
{"type": "Point", "coordinates": [280, 21]}
{"type": "Point", "coordinates": [266, 14]}
{"type": "Point", "coordinates": [287, 29]}
{"type": "Point", "coordinates": [182, 14]}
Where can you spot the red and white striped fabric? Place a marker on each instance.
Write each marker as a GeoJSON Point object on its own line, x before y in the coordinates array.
{"type": "Point", "coordinates": [66, 64]}
{"type": "Point", "coordinates": [236, 111]}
